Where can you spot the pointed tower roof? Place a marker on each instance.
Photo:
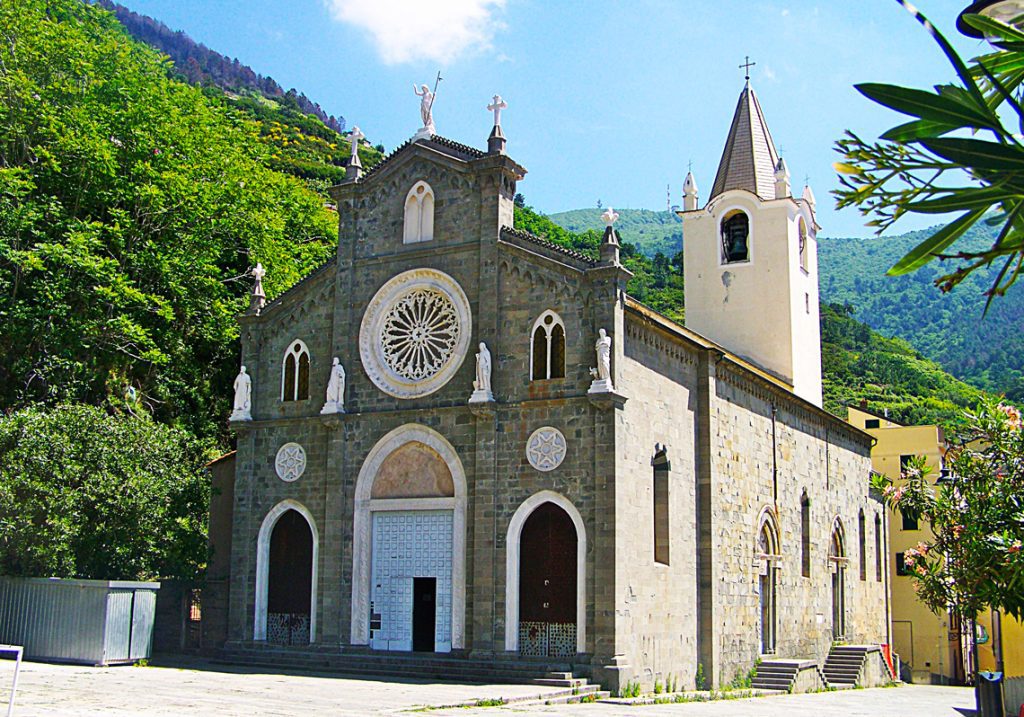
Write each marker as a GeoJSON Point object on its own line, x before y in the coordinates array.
{"type": "Point", "coordinates": [749, 158]}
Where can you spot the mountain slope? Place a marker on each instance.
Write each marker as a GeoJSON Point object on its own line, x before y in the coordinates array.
{"type": "Point", "coordinates": [948, 328]}
{"type": "Point", "coordinates": [305, 141]}
{"type": "Point", "coordinates": [650, 231]}
{"type": "Point", "coordinates": [131, 207]}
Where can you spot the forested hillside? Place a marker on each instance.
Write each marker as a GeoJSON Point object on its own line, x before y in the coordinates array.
{"type": "Point", "coordinates": [857, 362]}
{"type": "Point", "coordinates": [947, 328]}
{"type": "Point", "coordinates": [304, 140]}
{"type": "Point", "coordinates": [131, 207]}
{"type": "Point", "coordinates": [651, 232]}
{"type": "Point", "coordinates": [986, 351]}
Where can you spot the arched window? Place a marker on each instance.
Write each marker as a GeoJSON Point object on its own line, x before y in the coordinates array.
{"type": "Point", "coordinates": [878, 547]}
{"type": "Point", "coordinates": [862, 530]}
{"type": "Point", "coordinates": [419, 214]}
{"type": "Point", "coordinates": [768, 555]}
{"type": "Point", "coordinates": [837, 565]}
{"type": "Point", "coordinates": [805, 535]}
{"type": "Point", "coordinates": [295, 373]}
{"type": "Point", "coordinates": [735, 237]}
{"type": "Point", "coordinates": [802, 230]}
{"type": "Point", "coordinates": [547, 349]}
{"type": "Point", "coordinates": [661, 514]}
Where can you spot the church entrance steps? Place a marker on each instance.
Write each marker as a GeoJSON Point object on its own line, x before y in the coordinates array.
{"type": "Point", "coordinates": [430, 666]}
{"type": "Point", "coordinates": [844, 664]}
{"type": "Point", "coordinates": [788, 676]}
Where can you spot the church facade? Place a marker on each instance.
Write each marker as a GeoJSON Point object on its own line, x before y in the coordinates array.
{"type": "Point", "coordinates": [464, 439]}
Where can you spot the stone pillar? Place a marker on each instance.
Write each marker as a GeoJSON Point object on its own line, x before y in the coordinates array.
{"type": "Point", "coordinates": [706, 429]}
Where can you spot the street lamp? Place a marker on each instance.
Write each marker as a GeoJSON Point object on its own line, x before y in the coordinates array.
{"type": "Point", "coordinates": [1009, 11]}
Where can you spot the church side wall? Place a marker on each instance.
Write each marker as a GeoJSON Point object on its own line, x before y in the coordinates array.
{"type": "Point", "coordinates": [832, 466]}
{"type": "Point", "coordinates": [657, 603]}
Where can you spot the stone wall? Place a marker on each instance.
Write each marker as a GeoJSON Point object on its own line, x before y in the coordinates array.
{"type": "Point", "coordinates": [656, 604]}
{"type": "Point", "coordinates": [813, 453]}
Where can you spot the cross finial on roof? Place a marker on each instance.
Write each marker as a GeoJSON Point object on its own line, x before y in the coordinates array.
{"type": "Point", "coordinates": [689, 166]}
{"type": "Point", "coordinates": [496, 107]}
{"type": "Point", "coordinates": [747, 64]}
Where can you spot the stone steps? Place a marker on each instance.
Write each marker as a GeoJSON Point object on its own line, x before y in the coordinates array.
{"type": "Point", "coordinates": [432, 666]}
{"type": "Point", "coordinates": [776, 675]}
{"type": "Point", "coordinates": [844, 664]}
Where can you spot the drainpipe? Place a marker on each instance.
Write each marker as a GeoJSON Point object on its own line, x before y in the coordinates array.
{"type": "Point", "coordinates": [775, 461]}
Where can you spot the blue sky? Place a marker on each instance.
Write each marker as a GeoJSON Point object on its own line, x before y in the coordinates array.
{"type": "Point", "coordinates": [607, 100]}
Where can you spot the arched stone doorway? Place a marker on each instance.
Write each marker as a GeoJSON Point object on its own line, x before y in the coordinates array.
{"type": "Point", "coordinates": [547, 584]}
{"type": "Point", "coordinates": [837, 566]}
{"type": "Point", "coordinates": [289, 587]}
{"type": "Point", "coordinates": [287, 550]}
{"type": "Point", "coordinates": [545, 597]}
{"type": "Point", "coordinates": [408, 588]}
{"type": "Point", "coordinates": [768, 558]}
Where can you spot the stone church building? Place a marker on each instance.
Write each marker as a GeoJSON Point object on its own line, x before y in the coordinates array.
{"type": "Point", "coordinates": [464, 439]}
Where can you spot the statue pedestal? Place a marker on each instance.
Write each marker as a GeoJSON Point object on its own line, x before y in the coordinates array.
{"type": "Point", "coordinates": [481, 403]}
{"type": "Point", "coordinates": [331, 407]}
{"type": "Point", "coordinates": [481, 397]}
{"type": "Point", "coordinates": [605, 399]}
{"type": "Point", "coordinates": [601, 385]}
{"type": "Point", "coordinates": [240, 416]}
{"type": "Point", "coordinates": [332, 420]}
{"type": "Point", "coordinates": [423, 133]}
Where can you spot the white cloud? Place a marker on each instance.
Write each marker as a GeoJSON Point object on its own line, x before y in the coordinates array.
{"type": "Point", "coordinates": [413, 30]}
{"type": "Point", "coordinates": [769, 73]}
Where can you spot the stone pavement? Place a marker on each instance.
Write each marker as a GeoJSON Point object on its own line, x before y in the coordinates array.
{"type": "Point", "coordinates": [225, 691]}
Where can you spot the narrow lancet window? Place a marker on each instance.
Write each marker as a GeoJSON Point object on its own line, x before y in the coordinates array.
{"type": "Point", "coordinates": [419, 214]}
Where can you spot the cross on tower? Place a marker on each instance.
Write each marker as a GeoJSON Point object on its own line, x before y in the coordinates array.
{"type": "Point", "coordinates": [689, 166]}
{"type": "Point", "coordinates": [747, 64]}
{"type": "Point", "coordinates": [496, 107]}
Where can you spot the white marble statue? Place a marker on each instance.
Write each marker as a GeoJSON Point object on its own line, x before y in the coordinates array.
{"type": "Point", "coordinates": [610, 216]}
{"type": "Point", "coordinates": [354, 139]}
{"type": "Point", "coordinates": [335, 402]}
{"type": "Point", "coordinates": [426, 109]}
{"type": "Point", "coordinates": [603, 373]}
{"type": "Point", "coordinates": [243, 397]}
{"type": "Point", "coordinates": [482, 384]}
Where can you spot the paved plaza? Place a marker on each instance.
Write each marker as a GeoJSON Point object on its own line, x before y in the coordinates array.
{"type": "Point", "coordinates": [225, 691]}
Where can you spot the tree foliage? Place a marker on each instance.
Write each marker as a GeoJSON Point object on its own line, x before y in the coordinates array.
{"type": "Point", "coordinates": [85, 494]}
{"type": "Point", "coordinates": [131, 206]}
{"type": "Point", "coordinates": [920, 166]}
{"type": "Point", "coordinates": [975, 557]}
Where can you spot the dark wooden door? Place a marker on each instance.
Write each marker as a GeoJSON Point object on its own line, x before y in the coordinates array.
{"type": "Point", "coordinates": [547, 582]}
{"type": "Point", "coordinates": [290, 580]}
{"type": "Point", "coordinates": [424, 614]}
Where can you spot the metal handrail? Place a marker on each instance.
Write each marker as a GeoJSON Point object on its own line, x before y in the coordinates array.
{"type": "Point", "coordinates": [18, 651]}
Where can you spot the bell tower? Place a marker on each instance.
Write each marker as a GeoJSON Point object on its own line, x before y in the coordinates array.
{"type": "Point", "coordinates": [750, 262]}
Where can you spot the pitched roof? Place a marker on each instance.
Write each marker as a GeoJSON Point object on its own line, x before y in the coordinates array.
{"type": "Point", "coordinates": [448, 146]}
{"type": "Point", "coordinates": [749, 158]}
{"type": "Point", "coordinates": [509, 232]}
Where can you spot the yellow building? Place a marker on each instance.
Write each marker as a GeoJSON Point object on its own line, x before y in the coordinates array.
{"type": "Point", "coordinates": [927, 642]}
{"type": "Point", "coordinates": [1012, 634]}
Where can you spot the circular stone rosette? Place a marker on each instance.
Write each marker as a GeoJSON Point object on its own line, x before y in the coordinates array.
{"type": "Point", "coordinates": [290, 462]}
{"type": "Point", "coordinates": [415, 333]}
{"type": "Point", "coordinates": [545, 449]}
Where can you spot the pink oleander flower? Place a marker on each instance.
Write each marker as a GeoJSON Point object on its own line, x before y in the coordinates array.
{"type": "Point", "coordinates": [958, 530]}
{"type": "Point", "coordinates": [921, 549]}
{"type": "Point", "coordinates": [919, 569]}
{"type": "Point", "coordinates": [1013, 417]}
{"type": "Point", "coordinates": [909, 558]}
{"type": "Point", "coordinates": [1015, 547]}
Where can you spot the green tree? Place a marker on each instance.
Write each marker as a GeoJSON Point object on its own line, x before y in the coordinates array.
{"type": "Point", "coordinates": [975, 559]}
{"type": "Point", "coordinates": [131, 206]}
{"type": "Point", "coordinates": [85, 494]}
{"type": "Point", "coordinates": [921, 166]}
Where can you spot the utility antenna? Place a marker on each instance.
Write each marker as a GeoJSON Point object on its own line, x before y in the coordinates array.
{"type": "Point", "coordinates": [668, 197]}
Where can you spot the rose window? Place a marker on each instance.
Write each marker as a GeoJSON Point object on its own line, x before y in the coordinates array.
{"type": "Point", "coordinates": [415, 333]}
{"type": "Point", "coordinates": [419, 334]}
